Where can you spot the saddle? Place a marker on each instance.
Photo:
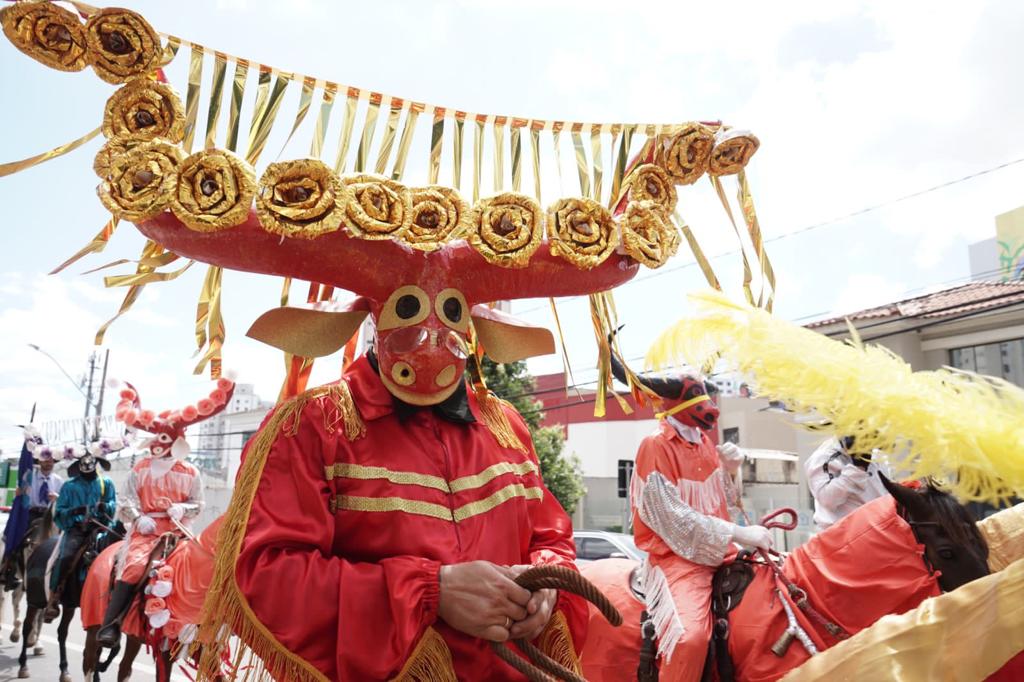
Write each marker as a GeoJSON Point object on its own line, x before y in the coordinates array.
{"type": "Point", "coordinates": [727, 587]}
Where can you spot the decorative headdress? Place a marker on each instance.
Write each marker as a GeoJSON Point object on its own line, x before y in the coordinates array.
{"type": "Point", "coordinates": [168, 427]}
{"type": "Point", "coordinates": [424, 260]}
{"type": "Point", "coordinates": [869, 393]}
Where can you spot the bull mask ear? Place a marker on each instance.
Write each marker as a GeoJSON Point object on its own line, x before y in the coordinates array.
{"type": "Point", "coordinates": [506, 339]}
{"type": "Point", "coordinates": [180, 449]}
{"type": "Point", "coordinates": [309, 333]}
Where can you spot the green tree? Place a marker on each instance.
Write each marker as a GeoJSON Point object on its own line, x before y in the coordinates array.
{"type": "Point", "coordinates": [562, 474]}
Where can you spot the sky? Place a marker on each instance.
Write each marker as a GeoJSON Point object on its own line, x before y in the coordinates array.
{"type": "Point", "coordinates": [856, 104]}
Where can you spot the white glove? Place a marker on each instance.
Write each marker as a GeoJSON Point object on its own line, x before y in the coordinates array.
{"type": "Point", "coordinates": [731, 456]}
{"type": "Point", "coordinates": [176, 511]}
{"type": "Point", "coordinates": [145, 525]}
{"type": "Point", "coordinates": [753, 536]}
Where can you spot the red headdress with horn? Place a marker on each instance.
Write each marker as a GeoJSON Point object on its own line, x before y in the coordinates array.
{"type": "Point", "coordinates": [168, 427]}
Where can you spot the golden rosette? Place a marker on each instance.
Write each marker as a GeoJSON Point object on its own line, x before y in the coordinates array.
{"type": "Point", "coordinates": [582, 232]}
{"type": "Point", "coordinates": [301, 199]}
{"type": "Point", "coordinates": [144, 109]}
{"type": "Point", "coordinates": [686, 155]}
{"type": "Point", "coordinates": [141, 182]}
{"type": "Point", "coordinates": [376, 208]}
{"type": "Point", "coordinates": [214, 192]}
{"type": "Point", "coordinates": [121, 44]}
{"type": "Point", "coordinates": [49, 34]}
{"type": "Point", "coordinates": [732, 151]}
{"type": "Point", "coordinates": [439, 215]}
{"type": "Point", "coordinates": [111, 151]}
{"type": "Point", "coordinates": [650, 182]}
{"type": "Point", "coordinates": [647, 234]}
{"type": "Point", "coordinates": [507, 229]}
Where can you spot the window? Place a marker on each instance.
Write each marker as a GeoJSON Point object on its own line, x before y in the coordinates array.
{"type": "Point", "coordinates": [731, 435]}
{"type": "Point", "coordinates": [1004, 360]}
{"type": "Point", "coordinates": [593, 549]}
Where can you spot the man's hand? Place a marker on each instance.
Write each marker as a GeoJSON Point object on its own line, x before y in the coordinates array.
{"type": "Point", "coordinates": [145, 525]}
{"type": "Point", "coordinates": [176, 511]}
{"type": "Point", "coordinates": [731, 456]}
{"type": "Point", "coordinates": [53, 497]}
{"type": "Point", "coordinates": [480, 599]}
{"type": "Point", "coordinates": [538, 609]}
{"type": "Point", "coordinates": [854, 475]}
{"type": "Point", "coordinates": [753, 536]}
{"type": "Point", "coordinates": [79, 511]}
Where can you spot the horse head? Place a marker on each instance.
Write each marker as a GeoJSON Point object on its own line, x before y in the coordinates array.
{"type": "Point", "coordinates": [953, 544]}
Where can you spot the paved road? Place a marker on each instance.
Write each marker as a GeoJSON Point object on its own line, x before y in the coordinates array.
{"type": "Point", "coordinates": [46, 666]}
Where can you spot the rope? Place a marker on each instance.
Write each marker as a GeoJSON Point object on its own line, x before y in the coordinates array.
{"type": "Point", "coordinates": [543, 668]}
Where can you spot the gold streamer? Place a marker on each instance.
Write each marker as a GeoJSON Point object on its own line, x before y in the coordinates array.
{"type": "Point", "coordinates": [388, 140]}
{"type": "Point", "coordinates": [566, 366]}
{"type": "Point", "coordinates": [267, 106]}
{"type": "Point", "coordinates": [141, 278]}
{"type": "Point", "coordinates": [436, 140]}
{"type": "Point", "coordinates": [747, 277]}
{"type": "Point", "coordinates": [237, 93]}
{"type": "Point", "coordinates": [698, 253]}
{"type": "Point", "coordinates": [96, 245]}
{"type": "Point", "coordinates": [286, 288]}
{"type": "Point", "coordinates": [595, 156]}
{"type": "Point", "coordinates": [369, 127]}
{"type": "Point", "coordinates": [195, 75]}
{"type": "Point", "coordinates": [478, 155]}
{"type": "Point", "coordinates": [316, 147]}
{"type": "Point", "coordinates": [408, 131]}
{"type": "Point", "coordinates": [305, 99]}
{"type": "Point", "coordinates": [556, 141]}
{"type": "Point", "coordinates": [499, 152]}
{"type": "Point", "coordinates": [620, 163]}
{"type": "Point", "coordinates": [581, 159]}
{"type": "Point", "coordinates": [517, 153]}
{"type": "Point", "coordinates": [220, 68]}
{"type": "Point", "coordinates": [13, 167]}
{"type": "Point", "coordinates": [345, 139]}
{"type": "Point", "coordinates": [150, 250]}
{"type": "Point", "coordinates": [535, 148]}
{"type": "Point", "coordinates": [460, 121]}
{"type": "Point", "coordinates": [746, 201]}
{"type": "Point", "coordinates": [208, 311]}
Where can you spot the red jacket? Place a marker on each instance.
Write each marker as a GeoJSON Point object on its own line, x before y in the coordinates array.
{"type": "Point", "coordinates": [341, 555]}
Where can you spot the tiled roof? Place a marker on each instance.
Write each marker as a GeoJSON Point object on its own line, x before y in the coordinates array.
{"type": "Point", "coordinates": [975, 296]}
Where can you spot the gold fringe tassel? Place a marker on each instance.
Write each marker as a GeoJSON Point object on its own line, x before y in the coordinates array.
{"type": "Point", "coordinates": [226, 611]}
{"type": "Point", "coordinates": [493, 412]}
{"type": "Point", "coordinates": [431, 661]}
{"type": "Point", "coordinates": [556, 642]}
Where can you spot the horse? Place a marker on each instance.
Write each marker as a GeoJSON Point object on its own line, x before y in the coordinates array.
{"type": "Point", "coordinates": [188, 568]}
{"type": "Point", "coordinates": [39, 529]}
{"type": "Point", "coordinates": [36, 576]}
{"type": "Point", "coordinates": [886, 557]}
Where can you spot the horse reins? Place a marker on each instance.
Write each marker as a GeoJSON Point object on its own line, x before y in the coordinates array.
{"type": "Point", "coordinates": [543, 668]}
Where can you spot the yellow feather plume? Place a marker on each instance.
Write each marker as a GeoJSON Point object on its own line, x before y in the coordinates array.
{"type": "Point", "coordinates": [964, 428]}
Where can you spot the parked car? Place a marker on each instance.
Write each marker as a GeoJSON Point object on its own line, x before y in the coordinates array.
{"type": "Point", "coordinates": [592, 545]}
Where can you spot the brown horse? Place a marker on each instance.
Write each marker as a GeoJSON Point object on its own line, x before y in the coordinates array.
{"type": "Point", "coordinates": [886, 557]}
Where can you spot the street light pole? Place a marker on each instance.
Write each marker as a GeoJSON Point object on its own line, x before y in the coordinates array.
{"type": "Point", "coordinates": [96, 408]}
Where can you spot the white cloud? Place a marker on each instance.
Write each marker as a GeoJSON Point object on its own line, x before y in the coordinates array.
{"type": "Point", "coordinates": [864, 290]}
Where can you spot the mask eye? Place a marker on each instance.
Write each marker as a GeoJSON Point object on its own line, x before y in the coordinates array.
{"type": "Point", "coordinates": [450, 306]}
{"type": "Point", "coordinates": [164, 438]}
{"type": "Point", "coordinates": [406, 306]}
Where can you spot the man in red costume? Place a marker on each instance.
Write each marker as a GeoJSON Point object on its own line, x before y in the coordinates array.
{"type": "Point", "coordinates": [680, 499]}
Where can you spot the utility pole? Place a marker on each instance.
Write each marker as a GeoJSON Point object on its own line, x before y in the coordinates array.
{"type": "Point", "coordinates": [88, 399]}
{"type": "Point", "coordinates": [99, 403]}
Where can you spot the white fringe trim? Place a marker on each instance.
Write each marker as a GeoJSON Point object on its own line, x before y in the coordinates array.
{"type": "Point", "coordinates": [668, 626]}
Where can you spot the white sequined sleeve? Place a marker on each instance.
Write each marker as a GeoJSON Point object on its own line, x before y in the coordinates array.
{"type": "Point", "coordinates": [694, 536]}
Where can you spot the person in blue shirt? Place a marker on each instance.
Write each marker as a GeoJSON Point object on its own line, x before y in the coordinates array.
{"type": "Point", "coordinates": [87, 495]}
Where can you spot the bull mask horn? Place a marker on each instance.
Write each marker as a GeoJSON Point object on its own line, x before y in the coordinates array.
{"type": "Point", "coordinates": [660, 386]}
